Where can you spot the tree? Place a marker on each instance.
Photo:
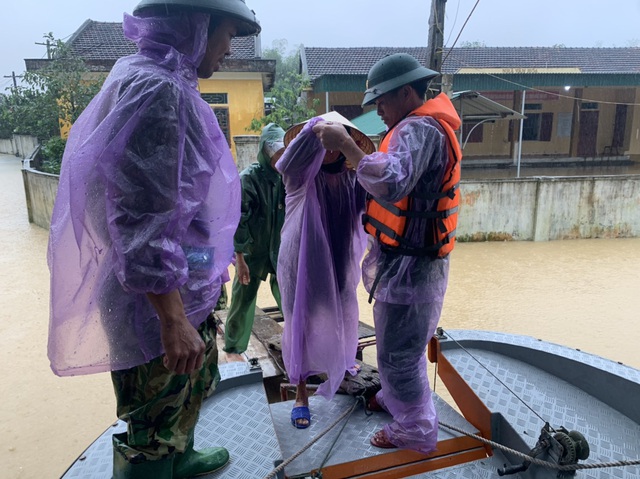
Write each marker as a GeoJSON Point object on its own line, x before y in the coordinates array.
{"type": "Point", "coordinates": [285, 62]}
{"type": "Point", "coordinates": [289, 106]}
{"type": "Point", "coordinates": [56, 93]}
{"type": "Point", "coordinates": [6, 117]}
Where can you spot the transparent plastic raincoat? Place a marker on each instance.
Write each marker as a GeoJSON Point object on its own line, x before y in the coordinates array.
{"type": "Point", "coordinates": [148, 202]}
{"type": "Point", "coordinates": [319, 263]}
{"type": "Point", "coordinates": [411, 289]}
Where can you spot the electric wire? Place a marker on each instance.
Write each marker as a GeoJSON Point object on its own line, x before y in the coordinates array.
{"type": "Point", "coordinates": [455, 20]}
{"type": "Point", "coordinates": [461, 30]}
{"type": "Point", "coordinates": [524, 87]}
{"type": "Point", "coordinates": [539, 90]}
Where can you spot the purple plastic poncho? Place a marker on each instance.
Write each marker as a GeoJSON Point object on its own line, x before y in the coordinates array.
{"type": "Point", "coordinates": [410, 292]}
{"type": "Point", "coordinates": [319, 264]}
{"type": "Point", "coordinates": [148, 202]}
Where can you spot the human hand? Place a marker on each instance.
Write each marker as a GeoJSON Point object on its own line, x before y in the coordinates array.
{"type": "Point", "coordinates": [183, 346]}
{"type": "Point", "coordinates": [333, 136]}
{"type": "Point", "coordinates": [242, 270]}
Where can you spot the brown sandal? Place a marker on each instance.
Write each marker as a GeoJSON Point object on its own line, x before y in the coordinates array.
{"type": "Point", "coordinates": [379, 439]}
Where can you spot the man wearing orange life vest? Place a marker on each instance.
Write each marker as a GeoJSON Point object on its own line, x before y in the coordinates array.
{"type": "Point", "coordinates": [413, 184]}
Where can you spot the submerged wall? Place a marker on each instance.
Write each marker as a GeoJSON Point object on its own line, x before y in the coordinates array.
{"type": "Point", "coordinates": [550, 208]}
{"type": "Point", "coordinates": [526, 209]}
{"type": "Point", "coordinates": [19, 145]}
{"type": "Point", "coordinates": [40, 190]}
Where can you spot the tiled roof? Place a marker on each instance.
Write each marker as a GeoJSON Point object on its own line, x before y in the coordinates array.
{"type": "Point", "coordinates": [350, 61]}
{"type": "Point", "coordinates": [106, 41]}
{"type": "Point", "coordinates": [588, 60]}
{"type": "Point", "coordinates": [358, 61]}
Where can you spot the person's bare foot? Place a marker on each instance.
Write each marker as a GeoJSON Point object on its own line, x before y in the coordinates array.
{"type": "Point", "coordinates": [302, 419]}
{"type": "Point", "coordinates": [380, 439]}
{"type": "Point", "coordinates": [300, 415]}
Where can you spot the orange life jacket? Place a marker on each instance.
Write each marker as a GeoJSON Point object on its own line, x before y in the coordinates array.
{"type": "Point", "coordinates": [389, 222]}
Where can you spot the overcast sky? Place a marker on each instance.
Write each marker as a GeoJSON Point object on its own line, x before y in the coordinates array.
{"type": "Point", "coordinates": [347, 23]}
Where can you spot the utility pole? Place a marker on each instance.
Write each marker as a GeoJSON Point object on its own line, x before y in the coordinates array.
{"type": "Point", "coordinates": [48, 45]}
{"type": "Point", "coordinates": [14, 76]}
{"type": "Point", "coordinates": [436, 36]}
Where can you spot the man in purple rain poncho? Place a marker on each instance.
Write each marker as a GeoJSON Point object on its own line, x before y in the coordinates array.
{"type": "Point", "coordinates": [142, 234]}
{"type": "Point", "coordinates": [408, 289]}
{"type": "Point", "coordinates": [322, 243]}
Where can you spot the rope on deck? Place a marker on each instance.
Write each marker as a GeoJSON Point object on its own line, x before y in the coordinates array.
{"type": "Point", "coordinates": [540, 462]}
{"type": "Point", "coordinates": [304, 448]}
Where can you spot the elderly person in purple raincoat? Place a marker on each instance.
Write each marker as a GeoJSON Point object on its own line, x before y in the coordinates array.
{"type": "Point", "coordinates": [319, 262]}
{"type": "Point", "coordinates": [142, 234]}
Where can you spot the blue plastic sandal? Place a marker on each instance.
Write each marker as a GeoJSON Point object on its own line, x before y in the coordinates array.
{"type": "Point", "coordinates": [300, 412]}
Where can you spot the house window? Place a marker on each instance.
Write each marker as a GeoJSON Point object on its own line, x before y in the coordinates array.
{"type": "Point", "coordinates": [473, 132]}
{"type": "Point", "coordinates": [537, 126]}
{"type": "Point", "coordinates": [222, 114]}
{"type": "Point", "coordinates": [589, 106]}
{"type": "Point", "coordinates": [215, 98]}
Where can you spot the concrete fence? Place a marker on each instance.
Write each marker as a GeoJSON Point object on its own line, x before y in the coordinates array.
{"type": "Point", "coordinates": [527, 209]}
{"type": "Point", "coordinates": [19, 145]}
{"type": "Point", "coordinates": [550, 208]}
{"type": "Point", "coordinates": [246, 150]}
{"type": "Point", "coordinates": [40, 190]}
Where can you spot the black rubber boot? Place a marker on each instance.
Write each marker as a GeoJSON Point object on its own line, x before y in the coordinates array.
{"type": "Point", "coordinates": [123, 469]}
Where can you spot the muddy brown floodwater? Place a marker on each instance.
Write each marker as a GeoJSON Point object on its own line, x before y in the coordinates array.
{"type": "Point", "coordinates": [584, 294]}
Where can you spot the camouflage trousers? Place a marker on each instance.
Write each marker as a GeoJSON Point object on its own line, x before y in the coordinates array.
{"type": "Point", "coordinates": [160, 407]}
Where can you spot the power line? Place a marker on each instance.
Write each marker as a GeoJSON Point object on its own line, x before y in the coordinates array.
{"type": "Point", "coordinates": [13, 76]}
{"type": "Point", "coordinates": [461, 30]}
{"type": "Point", "coordinates": [455, 20]}
{"type": "Point", "coordinates": [530, 88]}
{"type": "Point", "coordinates": [5, 85]}
{"type": "Point", "coordinates": [524, 87]}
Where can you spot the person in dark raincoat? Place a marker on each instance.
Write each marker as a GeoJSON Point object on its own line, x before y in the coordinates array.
{"type": "Point", "coordinates": [319, 261]}
{"type": "Point", "coordinates": [408, 288]}
{"type": "Point", "coordinates": [142, 235]}
{"type": "Point", "coordinates": [257, 239]}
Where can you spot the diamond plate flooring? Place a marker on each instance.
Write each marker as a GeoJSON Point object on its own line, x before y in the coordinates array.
{"type": "Point", "coordinates": [353, 443]}
{"type": "Point", "coordinates": [611, 435]}
{"type": "Point", "coordinates": [256, 434]}
{"type": "Point", "coordinates": [237, 418]}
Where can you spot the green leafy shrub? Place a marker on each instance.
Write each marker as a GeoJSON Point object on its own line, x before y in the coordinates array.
{"type": "Point", "coordinates": [52, 152]}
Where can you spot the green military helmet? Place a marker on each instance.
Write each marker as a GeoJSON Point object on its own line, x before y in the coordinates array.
{"type": "Point", "coordinates": [391, 72]}
{"type": "Point", "coordinates": [237, 9]}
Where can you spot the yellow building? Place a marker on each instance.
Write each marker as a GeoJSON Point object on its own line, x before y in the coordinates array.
{"type": "Point", "coordinates": [236, 92]}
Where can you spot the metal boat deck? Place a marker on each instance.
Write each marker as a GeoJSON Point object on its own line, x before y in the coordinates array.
{"type": "Point", "coordinates": [569, 388]}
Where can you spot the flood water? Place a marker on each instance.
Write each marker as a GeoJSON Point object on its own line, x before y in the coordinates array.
{"type": "Point", "coordinates": [584, 294]}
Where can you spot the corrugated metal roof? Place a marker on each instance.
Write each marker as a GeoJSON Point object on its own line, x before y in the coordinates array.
{"type": "Point", "coordinates": [475, 107]}
{"type": "Point", "coordinates": [358, 61]}
{"type": "Point", "coordinates": [471, 104]}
